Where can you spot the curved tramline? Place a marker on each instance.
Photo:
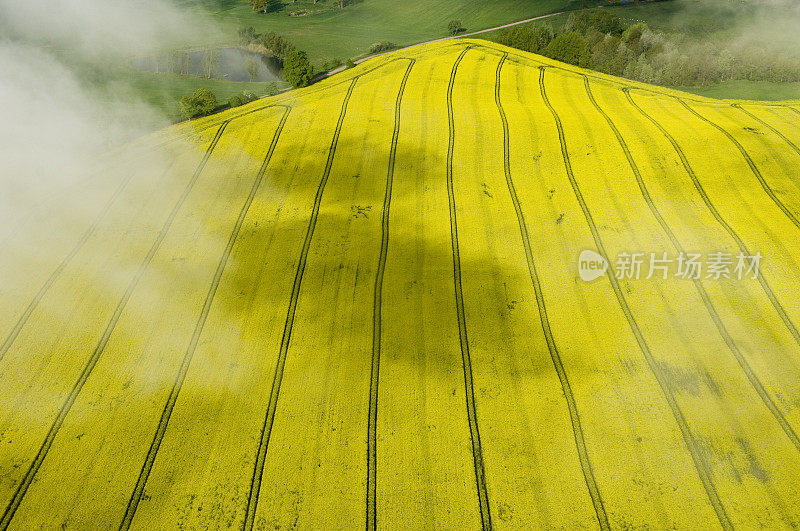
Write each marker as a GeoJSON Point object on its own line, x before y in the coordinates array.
{"type": "Point", "coordinates": [753, 167]}
{"type": "Point", "coordinates": [377, 312]}
{"type": "Point", "coordinates": [360, 304]}
{"type": "Point", "coordinates": [472, 416]}
{"type": "Point", "coordinates": [691, 443]}
{"type": "Point", "coordinates": [580, 442]}
{"type": "Point", "coordinates": [22, 488]}
{"type": "Point", "coordinates": [791, 144]}
{"type": "Point", "coordinates": [255, 485]}
{"type": "Point", "coordinates": [176, 388]}
{"type": "Point", "coordinates": [708, 203]}
{"type": "Point", "coordinates": [718, 322]}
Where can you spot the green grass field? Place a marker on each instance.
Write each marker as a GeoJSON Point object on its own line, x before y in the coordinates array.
{"type": "Point", "coordinates": [748, 90]}
{"type": "Point", "coordinates": [162, 91]}
{"type": "Point", "coordinates": [341, 33]}
{"type": "Point", "coordinates": [328, 33]}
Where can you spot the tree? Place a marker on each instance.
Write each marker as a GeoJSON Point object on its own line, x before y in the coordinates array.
{"type": "Point", "coordinates": [297, 69]}
{"type": "Point", "coordinates": [602, 20]}
{"type": "Point", "coordinates": [210, 63]}
{"type": "Point", "coordinates": [578, 21]}
{"type": "Point", "coordinates": [569, 47]}
{"type": "Point", "coordinates": [455, 27]}
{"type": "Point", "coordinates": [604, 52]}
{"type": "Point", "coordinates": [541, 35]}
{"type": "Point", "coordinates": [531, 39]}
{"type": "Point", "coordinates": [252, 68]}
{"type": "Point", "coordinates": [201, 103]}
{"type": "Point", "coordinates": [632, 35]}
{"type": "Point", "coordinates": [276, 44]}
{"type": "Point", "coordinates": [606, 22]}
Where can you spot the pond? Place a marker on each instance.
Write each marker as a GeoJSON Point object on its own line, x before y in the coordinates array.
{"type": "Point", "coordinates": [232, 64]}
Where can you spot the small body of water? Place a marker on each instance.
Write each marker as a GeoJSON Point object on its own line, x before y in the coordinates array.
{"type": "Point", "coordinates": [233, 64]}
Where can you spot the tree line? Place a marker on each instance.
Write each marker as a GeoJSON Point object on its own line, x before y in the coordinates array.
{"type": "Point", "coordinates": [601, 40]}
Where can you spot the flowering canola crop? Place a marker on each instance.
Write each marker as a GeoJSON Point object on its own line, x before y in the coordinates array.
{"type": "Point", "coordinates": [362, 304]}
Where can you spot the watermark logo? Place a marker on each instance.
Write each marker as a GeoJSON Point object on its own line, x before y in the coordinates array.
{"type": "Point", "coordinates": [688, 266]}
{"type": "Point", "coordinates": [591, 265]}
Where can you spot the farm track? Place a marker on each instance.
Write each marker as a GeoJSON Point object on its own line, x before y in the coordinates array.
{"type": "Point", "coordinates": [98, 351]}
{"type": "Point", "coordinates": [691, 443]}
{"type": "Point", "coordinates": [605, 79]}
{"type": "Point", "coordinates": [580, 442]}
{"type": "Point", "coordinates": [753, 167]}
{"type": "Point", "coordinates": [472, 415]}
{"type": "Point", "coordinates": [768, 126]}
{"type": "Point", "coordinates": [255, 485]}
{"type": "Point", "coordinates": [365, 389]}
{"type": "Point", "coordinates": [709, 305]}
{"type": "Point", "coordinates": [372, 435]}
{"type": "Point", "coordinates": [54, 276]}
{"type": "Point", "coordinates": [725, 225]}
{"type": "Point", "coordinates": [176, 388]}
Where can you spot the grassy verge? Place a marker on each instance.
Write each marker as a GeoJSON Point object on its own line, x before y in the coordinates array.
{"type": "Point", "coordinates": [162, 91]}
{"type": "Point", "coordinates": [748, 90]}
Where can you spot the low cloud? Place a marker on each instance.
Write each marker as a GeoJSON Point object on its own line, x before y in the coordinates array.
{"type": "Point", "coordinates": [59, 108]}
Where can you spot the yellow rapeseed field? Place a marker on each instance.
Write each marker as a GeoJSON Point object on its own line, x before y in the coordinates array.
{"type": "Point", "coordinates": [361, 304]}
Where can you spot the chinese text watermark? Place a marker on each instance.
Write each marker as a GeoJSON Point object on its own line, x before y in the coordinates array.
{"type": "Point", "coordinates": [689, 266]}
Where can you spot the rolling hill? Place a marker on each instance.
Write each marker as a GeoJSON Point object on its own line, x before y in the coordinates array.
{"type": "Point", "coordinates": [361, 304]}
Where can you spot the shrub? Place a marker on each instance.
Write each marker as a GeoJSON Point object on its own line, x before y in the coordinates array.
{"type": "Point", "coordinates": [330, 65]}
{"type": "Point", "coordinates": [455, 27]}
{"type": "Point", "coordinates": [201, 103]}
{"type": "Point", "coordinates": [271, 89]}
{"type": "Point", "coordinates": [247, 35]}
{"type": "Point", "coordinates": [242, 98]}
{"type": "Point", "coordinates": [382, 46]}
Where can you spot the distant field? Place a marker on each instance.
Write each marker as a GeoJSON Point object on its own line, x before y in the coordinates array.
{"type": "Point", "coordinates": [330, 33]}
{"type": "Point", "coordinates": [342, 33]}
{"type": "Point", "coordinates": [671, 15]}
{"type": "Point", "coordinates": [749, 90]}
{"type": "Point", "coordinates": [359, 303]}
{"type": "Point", "coordinates": [164, 90]}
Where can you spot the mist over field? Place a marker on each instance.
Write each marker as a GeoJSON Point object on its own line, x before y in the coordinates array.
{"type": "Point", "coordinates": [774, 24]}
{"type": "Point", "coordinates": [686, 43]}
{"type": "Point", "coordinates": [771, 25]}
{"type": "Point", "coordinates": [59, 117]}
